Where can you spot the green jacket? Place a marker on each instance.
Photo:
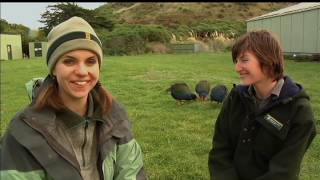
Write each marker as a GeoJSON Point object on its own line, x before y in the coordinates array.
{"type": "Point", "coordinates": [29, 150]}
{"type": "Point", "coordinates": [266, 144]}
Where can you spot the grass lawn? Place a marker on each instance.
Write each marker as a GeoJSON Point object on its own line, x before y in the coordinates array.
{"type": "Point", "coordinates": [175, 139]}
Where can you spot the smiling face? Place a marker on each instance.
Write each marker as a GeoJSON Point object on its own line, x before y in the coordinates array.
{"type": "Point", "coordinates": [264, 49]}
{"type": "Point", "coordinates": [77, 72]}
{"type": "Point", "coordinates": [249, 69]}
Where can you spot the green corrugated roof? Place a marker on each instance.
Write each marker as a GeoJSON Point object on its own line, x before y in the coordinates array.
{"type": "Point", "coordinates": [289, 10]}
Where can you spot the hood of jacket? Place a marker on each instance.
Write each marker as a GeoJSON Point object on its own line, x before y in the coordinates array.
{"type": "Point", "coordinates": [289, 91]}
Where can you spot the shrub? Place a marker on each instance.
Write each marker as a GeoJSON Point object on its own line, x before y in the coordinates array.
{"type": "Point", "coordinates": [220, 45]}
{"type": "Point", "coordinates": [127, 39]}
{"type": "Point", "coordinates": [220, 16]}
{"type": "Point", "coordinates": [157, 47]}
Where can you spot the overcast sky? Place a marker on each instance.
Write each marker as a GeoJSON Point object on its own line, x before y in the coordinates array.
{"type": "Point", "coordinates": [29, 14]}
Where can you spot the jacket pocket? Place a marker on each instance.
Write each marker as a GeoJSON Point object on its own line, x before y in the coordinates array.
{"type": "Point", "coordinates": [273, 126]}
{"type": "Point", "coordinates": [266, 144]}
{"type": "Point", "coordinates": [269, 136]}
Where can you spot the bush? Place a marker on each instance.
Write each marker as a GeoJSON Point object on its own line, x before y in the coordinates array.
{"type": "Point", "coordinates": [220, 16]}
{"type": "Point", "coordinates": [128, 39]}
{"type": "Point", "coordinates": [220, 45]}
{"type": "Point", "coordinates": [232, 29]}
{"type": "Point", "coordinates": [157, 47]}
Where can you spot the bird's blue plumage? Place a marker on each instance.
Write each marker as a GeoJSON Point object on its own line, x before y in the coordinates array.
{"type": "Point", "coordinates": [203, 89]}
{"type": "Point", "coordinates": [181, 91]}
{"type": "Point", "coordinates": [218, 93]}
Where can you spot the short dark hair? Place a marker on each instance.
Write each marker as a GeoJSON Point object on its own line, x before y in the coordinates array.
{"type": "Point", "coordinates": [266, 48]}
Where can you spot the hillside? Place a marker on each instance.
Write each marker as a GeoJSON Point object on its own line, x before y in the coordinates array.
{"type": "Point", "coordinates": [173, 14]}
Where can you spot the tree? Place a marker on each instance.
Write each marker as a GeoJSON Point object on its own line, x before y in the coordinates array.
{"type": "Point", "coordinates": [4, 26]}
{"type": "Point", "coordinates": [17, 29]}
{"type": "Point", "coordinates": [56, 14]}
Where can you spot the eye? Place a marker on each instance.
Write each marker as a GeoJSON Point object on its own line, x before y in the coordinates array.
{"type": "Point", "coordinates": [68, 61]}
{"type": "Point", "coordinates": [244, 59]}
{"type": "Point", "coordinates": [91, 61]}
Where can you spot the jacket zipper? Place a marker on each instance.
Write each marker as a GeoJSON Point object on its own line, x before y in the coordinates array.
{"type": "Point", "coordinates": [84, 142]}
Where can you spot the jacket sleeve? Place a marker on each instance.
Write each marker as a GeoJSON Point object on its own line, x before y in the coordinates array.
{"type": "Point", "coordinates": [286, 163]}
{"type": "Point", "coordinates": [128, 156]}
{"type": "Point", "coordinates": [16, 163]}
{"type": "Point", "coordinates": [220, 156]}
{"type": "Point", "coordinates": [129, 162]}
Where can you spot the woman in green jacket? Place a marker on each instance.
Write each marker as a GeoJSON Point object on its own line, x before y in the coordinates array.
{"type": "Point", "coordinates": [74, 129]}
{"type": "Point", "coordinates": [266, 124]}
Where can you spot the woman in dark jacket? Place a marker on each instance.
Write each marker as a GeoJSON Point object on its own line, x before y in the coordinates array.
{"type": "Point", "coordinates": [266, 124]}
{"type": "Point", "coordinates": [74, 129]}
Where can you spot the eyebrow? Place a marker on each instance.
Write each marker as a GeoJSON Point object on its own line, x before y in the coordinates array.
{"type": "Point", "coordinates": [244, 55]}
{"type": "Point", "coordinates": [68, 56]}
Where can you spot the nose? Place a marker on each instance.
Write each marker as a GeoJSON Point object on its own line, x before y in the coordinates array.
{"type": "Point", "coordinates": [81, 69]}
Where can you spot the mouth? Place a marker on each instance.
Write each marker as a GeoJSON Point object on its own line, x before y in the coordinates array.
{"type": "Point", "coordinates": [81, 83]}
{"type": "Point", "coordinates": [243, 75]}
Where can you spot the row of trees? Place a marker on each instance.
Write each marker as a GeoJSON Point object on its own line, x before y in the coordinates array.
{"type": "Point", "coordinates": [26, 34]}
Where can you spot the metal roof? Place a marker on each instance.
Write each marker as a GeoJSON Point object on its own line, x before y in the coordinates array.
{"type": "Point", "coordinates": [289, 10]}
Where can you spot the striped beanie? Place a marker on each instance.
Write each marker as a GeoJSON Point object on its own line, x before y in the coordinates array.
{"type": "Point", "coordinates": [72, 34]}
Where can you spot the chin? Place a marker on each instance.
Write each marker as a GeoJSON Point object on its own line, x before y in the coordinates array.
{"type": "Point", "coordinates": [245, 83]}
{"type": "Point", "coordinates": [80, 95]}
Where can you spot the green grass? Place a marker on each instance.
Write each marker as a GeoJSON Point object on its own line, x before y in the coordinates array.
{"type": "Point", "coordinates": [175, 139]}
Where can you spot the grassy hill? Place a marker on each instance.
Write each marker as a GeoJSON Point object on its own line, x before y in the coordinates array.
{"type": "Point", "coordinates": [172, 14]}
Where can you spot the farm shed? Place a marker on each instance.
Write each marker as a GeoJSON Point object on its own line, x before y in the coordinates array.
{"type": "Point", "coordinates": [11, 46]}
{"type": "Point", "coordinates": [297, 27]}
{"type": "Point", "coordinates": [38, 49]}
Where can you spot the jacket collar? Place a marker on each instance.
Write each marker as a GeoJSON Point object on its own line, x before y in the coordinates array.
{"type": "Point", "coordinates": [113, 124]}
{"type": "Point", "coordinates": [72, 119]}
{"type": "Point", "coordinates": [275, 91]}
{"type": "Point", "coordinates": [289, 90]}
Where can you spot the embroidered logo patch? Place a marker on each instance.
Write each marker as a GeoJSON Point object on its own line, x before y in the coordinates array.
{"type": "Point", "coordinates": [88, 36]}
{"type": "Point", "coordinates": [273, 121]}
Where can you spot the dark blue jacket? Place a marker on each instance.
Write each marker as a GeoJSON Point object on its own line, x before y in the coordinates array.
{"type": "Point", "coordinates": [266, 144]}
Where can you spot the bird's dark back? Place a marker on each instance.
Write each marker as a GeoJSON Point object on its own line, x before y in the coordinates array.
{"type": "Point", "coordinates": [180, 87]}
{"type": "Point", "coordinates": [218, 93]}
{"type": "Point", "coordinates": [181, 91]}
{"type": "Point", "coordinates": [203, 88]}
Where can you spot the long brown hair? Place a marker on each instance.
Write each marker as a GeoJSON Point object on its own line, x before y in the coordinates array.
{"type": "Point", "coordinates": [48, 96]}
{"type": "Point", "coordinates": [266, 48]}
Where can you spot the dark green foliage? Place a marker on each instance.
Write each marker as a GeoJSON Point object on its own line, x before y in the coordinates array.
{"type": "Point", "coordinates": [17, 29]}
{"type": "Point", "coordinates": [3, 25]}
{"type": "Point", "coordinates": [55, 14]}
{"type": "Point", "coordinates": [127, 39]}
{"type": "Point", "coordinates": [182, 30]}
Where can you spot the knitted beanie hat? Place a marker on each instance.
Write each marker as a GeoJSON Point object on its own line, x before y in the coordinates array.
{"type": "Point", "coordinates": [72, 34]}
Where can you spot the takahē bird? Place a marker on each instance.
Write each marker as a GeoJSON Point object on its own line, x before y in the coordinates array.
{"type": "Point", "coordinates": [218, 93]}
{"type": "Point", "coordinates": [203, 89]}
{"type": "Point", "coordinates": [181, 92]}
